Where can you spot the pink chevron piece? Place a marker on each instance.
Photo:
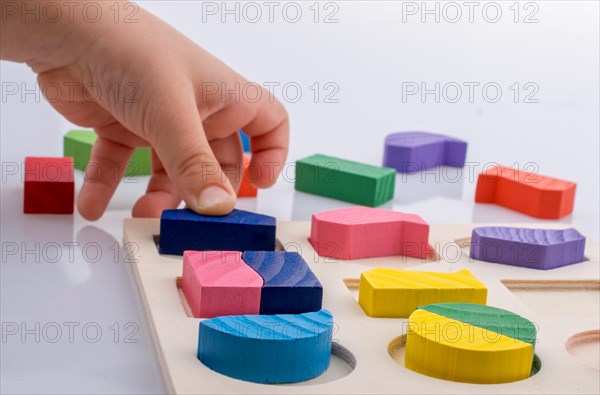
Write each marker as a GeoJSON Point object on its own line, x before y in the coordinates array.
{"type": "Point", "coordinates": [217, 283]}
{"type": "Point", "coordinates": [364, 232]}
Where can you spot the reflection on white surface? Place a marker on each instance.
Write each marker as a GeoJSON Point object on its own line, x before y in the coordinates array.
{"type": "Point", "coordinates": [487, 212]}
{"type": "Point", "coordinates": [47, 228]}
{"type": "Point", "coordinates": [439, 182]}
{"type": "Point", "coordinates": [129, 190]}
{"type": "Point", "coordinates": [305, 205]}
{"type": "Point", "coordinates": [71, 318]}
{"type": "Point", "coordinates": [77, 274]}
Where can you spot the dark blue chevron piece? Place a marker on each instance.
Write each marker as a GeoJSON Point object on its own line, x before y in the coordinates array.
{"type": "Point", "coordinates": [184, 229]}
{"type": "Point", "coordinates": [290, 287]}
{"type": "Point", "coordinates": [267, 349]}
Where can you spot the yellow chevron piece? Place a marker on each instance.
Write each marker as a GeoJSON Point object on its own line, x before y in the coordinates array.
{"type": "Point", "coordinates": [448, 349]}
{"type": "Point", "coordinates": [392, 293]}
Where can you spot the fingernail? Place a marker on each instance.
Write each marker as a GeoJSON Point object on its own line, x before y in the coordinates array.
{"type": "Point", "coordinates": [212, 196]}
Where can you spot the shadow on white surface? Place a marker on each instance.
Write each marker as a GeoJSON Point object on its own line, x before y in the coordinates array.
{"type": "Point", "coordinates": [78, 326]}
{"type": "Point", "coordinates": [49, 228]}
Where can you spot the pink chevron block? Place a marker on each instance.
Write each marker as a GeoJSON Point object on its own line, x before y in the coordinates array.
{"type": "Point", "coordinates": [364, 232]}
{"type": "Point", "coordinates": [217, 283]}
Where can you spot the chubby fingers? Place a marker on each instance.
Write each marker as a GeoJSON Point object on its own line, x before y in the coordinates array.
{"type": "Point", "coordinates": [269, 140]}
{"type": "Point", "coordinates": [177, 136]}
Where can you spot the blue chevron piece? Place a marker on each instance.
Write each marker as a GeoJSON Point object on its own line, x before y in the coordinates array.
{"type": "Point", "coordinates": [182, 230]}
{"type": "Point", "coordinates": [267, 349]}
{"type": "Point", "coordinates": [290, 287]}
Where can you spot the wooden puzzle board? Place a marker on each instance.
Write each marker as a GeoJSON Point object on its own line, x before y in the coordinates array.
{"type": "Point", "coordinates": [561, 302]}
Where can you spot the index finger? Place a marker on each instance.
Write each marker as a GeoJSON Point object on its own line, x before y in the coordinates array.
{"type": "Point", "coordinates": [269, 140]}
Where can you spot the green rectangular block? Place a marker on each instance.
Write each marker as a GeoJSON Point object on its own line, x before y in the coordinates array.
{"type": "Point", "coordinates": [345, 180]}
{"type": "Point", "coordinates": [78, 145]}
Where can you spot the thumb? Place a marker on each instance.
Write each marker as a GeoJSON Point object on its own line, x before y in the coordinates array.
{"type": "Point", "coordinates": [177, 136]}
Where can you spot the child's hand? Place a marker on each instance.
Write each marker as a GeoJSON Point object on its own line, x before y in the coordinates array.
{"type": "Point", "coordinates": [150, 85]}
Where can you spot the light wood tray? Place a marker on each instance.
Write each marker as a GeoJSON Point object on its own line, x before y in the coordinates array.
{"type": "Point", "coordinates": [560, 302]}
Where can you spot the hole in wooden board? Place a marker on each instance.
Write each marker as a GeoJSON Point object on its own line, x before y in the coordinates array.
{"type": "Point", "coordinates": [342, 363]}
{"type": "Point", "coordinates": [279, 245]}
{"type": "Point", "coordinates": [156, 238]}
{"type": "Point", "coordinates": [536, 366]}
{"type": "Point", "coordinates": [558, 299]}
{"type": "Point", "coordinates": [585, 348]}
{"type": "Point", "coordinates": [353, 286]}
{"type": "Point", "coordinates": [396, 350]}
{"type": "Point", "coordinates": [184, 304]}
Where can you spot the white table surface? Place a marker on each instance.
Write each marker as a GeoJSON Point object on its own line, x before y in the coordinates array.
{"type": "Point", "coordinates": [62, 302]}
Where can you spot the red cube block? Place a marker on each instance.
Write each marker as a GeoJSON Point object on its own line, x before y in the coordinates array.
{"type": "Point", "coordinates": [49, 186]}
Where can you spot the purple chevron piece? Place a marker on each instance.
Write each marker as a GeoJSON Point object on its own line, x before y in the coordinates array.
{"type": "Point", "coordinates": [530, 248]}
{"type": "Point", "coordinates": [410, 152]}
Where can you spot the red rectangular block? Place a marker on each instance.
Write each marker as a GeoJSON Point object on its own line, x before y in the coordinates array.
{"type": "Point", "coordinates": [532, 194]}
{"type": "Point", "coordinates": [49, 186]}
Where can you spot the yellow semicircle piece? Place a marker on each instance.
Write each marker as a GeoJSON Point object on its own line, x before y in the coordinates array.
{"type": "Point", "coordinates": [448, 349]}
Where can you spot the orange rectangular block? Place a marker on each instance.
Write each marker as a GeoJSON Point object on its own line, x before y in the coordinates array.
{"type": "Point", "coordinates": [528, 193]}
{"type": "Point", "coordinates": [247, 189]}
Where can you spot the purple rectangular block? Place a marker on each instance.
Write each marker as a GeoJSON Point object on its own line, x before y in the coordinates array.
{"type": "Point", "coordinates": [410, 152]}
{"type": "Point", "coordinates": [531, 248]}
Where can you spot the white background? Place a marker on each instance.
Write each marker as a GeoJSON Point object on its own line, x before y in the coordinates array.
{"type": "Point", "coordinates": [368, 54]}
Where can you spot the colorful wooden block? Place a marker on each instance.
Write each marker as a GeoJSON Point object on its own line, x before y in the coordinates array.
{"type": "Point", "coordinates": [368, 353]}
{"type": "Point", "coordinates": [245, 140]}
{"type": "Point", "coordinates": [246, 187]}
{"type": "Point", "coordinates": [409, 152]}
{"type": "Point", "coordinates": [290, 287]}
{"type": "Point", "coordinates": [470, 343]}
{"type": "Point", "coordinates": [392, 293]}
{"type": "Point", "coordinates": [345, 180]}
{"type": "Point", "coordinates": [184, 229]}
{"type": "Point", "coordinates": [217, 283]}
{"type": "Point", "coordinates": [489, 318]}
{"type": "Point", "coordinates": [267, 349]}
{"type": "Point", "coordinates": [78, 145]}
{"type": "Point", "coordinates": [531, 248]}
{"type": "Point", "coordinates": [363, 232]}
{"type": "Point", "coordinates": [528, 193]}
{"type": "Point", "coordinates": [49, 186]}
